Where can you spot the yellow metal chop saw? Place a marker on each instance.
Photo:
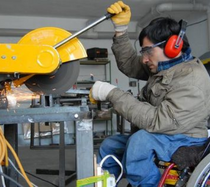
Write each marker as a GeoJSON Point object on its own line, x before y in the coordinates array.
{"type": "Point", "coordinates": [44, 60]}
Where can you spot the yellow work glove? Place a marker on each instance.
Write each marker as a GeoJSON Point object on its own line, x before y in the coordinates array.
{"type": "Point", "coordinates": [122, 15]}
{"type": "Point", "coordinates": [92, 100]}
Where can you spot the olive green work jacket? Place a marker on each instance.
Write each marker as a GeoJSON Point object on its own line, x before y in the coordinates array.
{"type": "Point", "coordinates": [174, 101]}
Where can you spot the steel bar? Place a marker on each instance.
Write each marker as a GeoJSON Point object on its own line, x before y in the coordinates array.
{"type": "Point", "coordinates": [107, 16]}
{"type": "Point", "coordinates": [45, 114]}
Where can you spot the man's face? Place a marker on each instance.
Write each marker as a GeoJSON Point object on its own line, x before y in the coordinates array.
{"type": "Point", "coordinates": [152, 55]}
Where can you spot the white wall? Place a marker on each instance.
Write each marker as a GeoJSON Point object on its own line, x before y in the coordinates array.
{"type": "Point", "coordinates": [198, 38]}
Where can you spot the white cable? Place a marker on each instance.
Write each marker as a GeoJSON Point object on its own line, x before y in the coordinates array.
{"type": "Point", "coordinates": [107, 156]}
{"type": "Point", "coordinates": [2, 177]}
{"type": "Point", "coordinates": [13, 165]}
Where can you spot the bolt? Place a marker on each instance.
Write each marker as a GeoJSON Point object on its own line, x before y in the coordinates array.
{"type": "Point", "coordinates": [14, 57]}
{"type": "Point", "coordinates": [3, 56]}
{"type": "Point", "coordinates": [76, 116]}
{"type": "Point", "coordinates": [30, 120]}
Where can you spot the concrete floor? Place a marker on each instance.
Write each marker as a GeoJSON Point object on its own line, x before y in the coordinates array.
{"type": "Point", "coordinates": [32, 160]}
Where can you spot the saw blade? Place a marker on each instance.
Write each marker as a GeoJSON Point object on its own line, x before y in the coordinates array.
{"type": "Point", "coordinates": [57, 83]}
{"type": "Point", "coordinates": [66, 75]}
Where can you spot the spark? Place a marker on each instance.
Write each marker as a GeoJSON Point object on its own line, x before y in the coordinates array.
{"type": "Point", "coordinates": [52, 77]}
{"type": "Point", "coordinates": [19, 94]}
{"type": "Point", "coordinates": [11, 101]}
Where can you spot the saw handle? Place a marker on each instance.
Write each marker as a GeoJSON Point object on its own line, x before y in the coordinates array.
{"type": "Point", "coordinates": [103, 18]}
{"type": "Point", "coordinates": [108, 15]}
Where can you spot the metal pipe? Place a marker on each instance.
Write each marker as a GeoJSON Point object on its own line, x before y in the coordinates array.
{"type": "Point", "coordinates": [208, 26]}
{"type": "Point", "coordinates": [167, 7]}
{"type": "Point", "coordinates": [180, 7]}
{"type": "Point", "coordinates": [93, 35]}
{"type": "Point", "coordinates": [107, 16]}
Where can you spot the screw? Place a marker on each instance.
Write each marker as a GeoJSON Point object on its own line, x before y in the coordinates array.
{"type": "Point", "coordinates": [3, 56]}
{"type": "Point", "coordinates": [76, 116]}
{"type": "Point", "coordinates": [14, 57]}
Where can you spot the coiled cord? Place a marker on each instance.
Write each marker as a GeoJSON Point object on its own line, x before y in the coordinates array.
{"type": "Point", "coordinates": [4, 156]}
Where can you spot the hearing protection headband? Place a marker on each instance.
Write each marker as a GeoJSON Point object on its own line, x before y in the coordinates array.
{"type": "Point", "coordinates": [183, 24]}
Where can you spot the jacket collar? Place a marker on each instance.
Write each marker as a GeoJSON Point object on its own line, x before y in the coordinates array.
{"type": "Point", "coordinates": [186, 56]}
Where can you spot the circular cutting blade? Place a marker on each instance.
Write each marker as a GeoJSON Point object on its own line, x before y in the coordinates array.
{"type": "Point", "coordinates": [57, 83]}
{"type": "Point", "coordinates": [66, 75]}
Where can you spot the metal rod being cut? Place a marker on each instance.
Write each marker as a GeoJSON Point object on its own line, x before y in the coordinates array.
{"type": "Point", "coordinates": [107, 16]}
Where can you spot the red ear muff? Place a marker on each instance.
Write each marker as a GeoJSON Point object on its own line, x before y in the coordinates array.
{"type": "Point", "coordinates": [171, 50]}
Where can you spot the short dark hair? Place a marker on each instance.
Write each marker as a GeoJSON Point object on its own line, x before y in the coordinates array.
{"type": "Point", "coordinates": [161, 29]}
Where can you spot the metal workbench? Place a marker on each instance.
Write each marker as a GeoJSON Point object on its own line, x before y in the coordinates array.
{"type": "Point", "coordinates": [84, 136]}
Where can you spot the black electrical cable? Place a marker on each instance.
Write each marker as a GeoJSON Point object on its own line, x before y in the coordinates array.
{"type": "Point", "coordinates": [9, 178]}
{"type": "Point", "coordinates": [196, 23]}
{"type": "Point", "coordinates": [41, 179]}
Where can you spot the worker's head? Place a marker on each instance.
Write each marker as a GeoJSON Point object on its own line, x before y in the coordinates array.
{"type": "Point", "coordinates": [158, 40]}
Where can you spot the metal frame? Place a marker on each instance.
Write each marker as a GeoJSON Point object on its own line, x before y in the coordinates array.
{"type": "Point", "coordinates": [84, 135]}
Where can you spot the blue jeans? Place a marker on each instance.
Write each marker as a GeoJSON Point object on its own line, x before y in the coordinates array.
{"type": "Point", "coordinates": [137, 152]}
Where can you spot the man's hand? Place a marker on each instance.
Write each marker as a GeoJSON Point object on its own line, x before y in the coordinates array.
{"type": "Point", "coordinates": [100, 90]}
{"type": "Point", "coordinates": [122, 15]}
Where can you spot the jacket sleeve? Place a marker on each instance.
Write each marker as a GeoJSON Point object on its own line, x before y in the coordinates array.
{"type": "Point", "coordinates": [127, 60]}
{"type": "Point", "coordinates": [170, 117]}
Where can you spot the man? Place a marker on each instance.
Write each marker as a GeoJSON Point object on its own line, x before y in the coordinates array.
{"type": "Point", "coordinates": [174, 105]}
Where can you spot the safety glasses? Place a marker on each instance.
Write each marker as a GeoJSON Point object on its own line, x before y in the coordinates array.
{"type": "Point", "coordinates": [147, 51]}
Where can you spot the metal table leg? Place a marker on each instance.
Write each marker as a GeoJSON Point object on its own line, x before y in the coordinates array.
{"type": "Point", "coordinates": [62, 156]}
{"type": "Point", "coordinates": [10, 133]}
{"type": "Point", "coordinates": [84, 149]}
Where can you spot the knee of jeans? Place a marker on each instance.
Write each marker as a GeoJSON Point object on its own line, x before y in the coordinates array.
{"type": "Point", "coordinates": [106, 143]}
{"type": "Point", "coordinates": [140, 136]}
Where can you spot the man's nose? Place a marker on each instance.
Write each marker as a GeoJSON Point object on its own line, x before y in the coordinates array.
{"type": "Point", "coordinates": [145, 59]}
